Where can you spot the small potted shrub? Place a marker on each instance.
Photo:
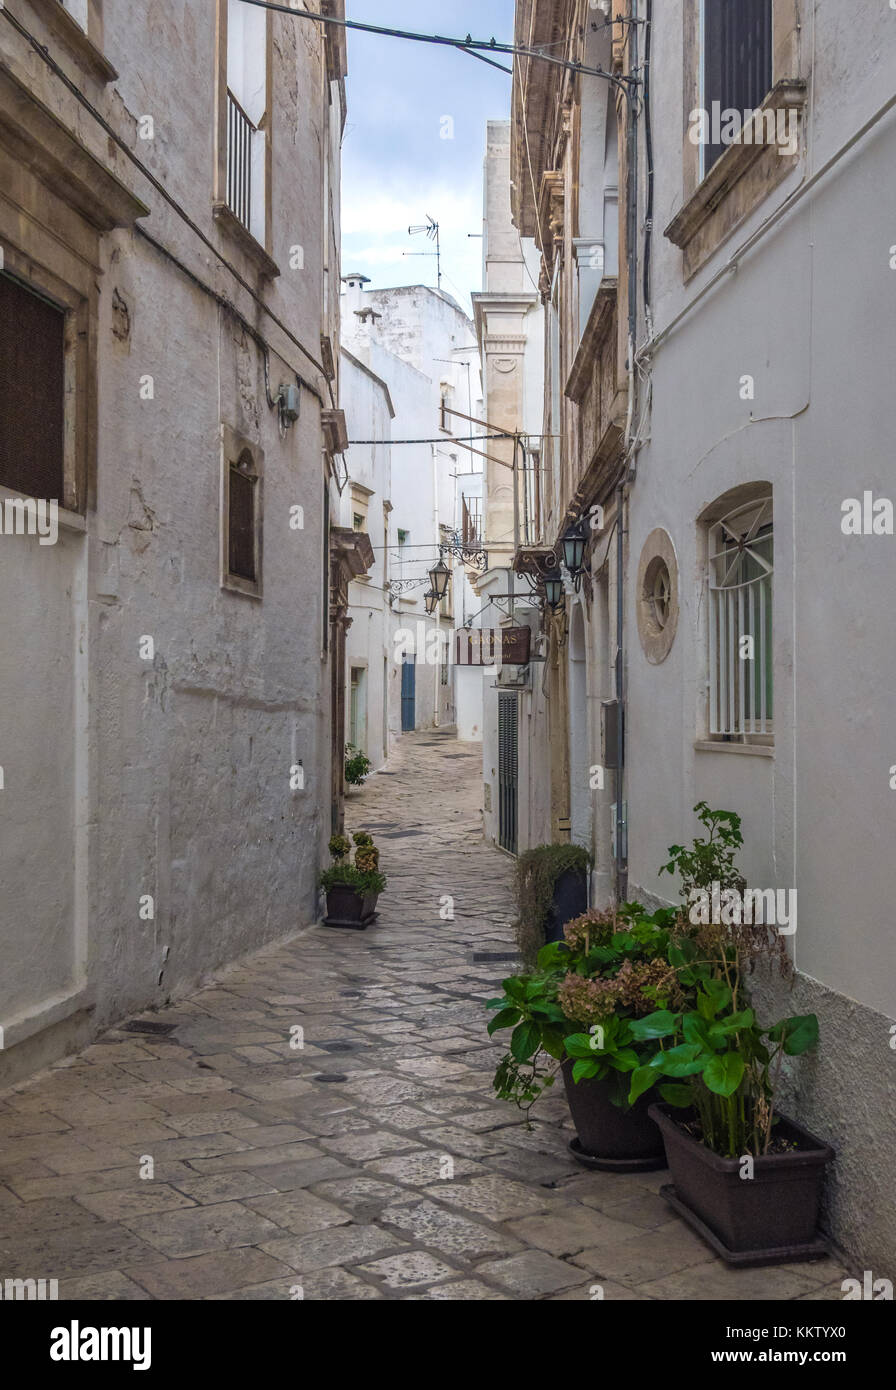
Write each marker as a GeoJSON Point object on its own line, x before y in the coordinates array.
{"type": "Point", "coordinates": [357, 766]}
{"type": "Point", "coordinates": [747, 1178]}
{"type": "Point", "coordinates": [574, 1015]}
{"type": "Point", "coordinates": [352, 889]}
{"type": "Point", "coordinates": [551, 890]}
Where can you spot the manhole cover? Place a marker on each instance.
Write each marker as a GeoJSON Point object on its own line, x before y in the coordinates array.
{"type": "Point", "coordinates": [329, 1076]}
{"type": "Point", "coordinates": [145, 1025]}
{"type": "Point", "coordinates": [337, 1046]}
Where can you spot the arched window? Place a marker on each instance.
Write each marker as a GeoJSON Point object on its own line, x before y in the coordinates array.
{"type": "Point", "coordinates": [741, 569]}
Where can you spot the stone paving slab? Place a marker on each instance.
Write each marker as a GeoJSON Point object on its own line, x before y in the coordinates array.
{"type": "Point", "coordinates": [373, 1163]}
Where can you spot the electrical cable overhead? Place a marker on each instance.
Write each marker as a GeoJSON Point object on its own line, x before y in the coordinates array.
{"type": "Point", "coordinates": [466, 45]}
{"type": "Point", "coordinates": [44, 54]}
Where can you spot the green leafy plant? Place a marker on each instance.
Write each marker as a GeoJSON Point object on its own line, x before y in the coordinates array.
{"type": "Point", "coordinates": [610, 968]}
{"type": "Point", "coordinates": [363, 876]}
{"type": "Point", "coordinates": [344, 875]}
{"type": "Point", "coordinates": [715, 1057]}
{"type": "Point", "coordinates": [537, 871]}
{"type": "Point", "coordinates": [357, 766]}
{"type": "Point", "coordinates": [709, 860]}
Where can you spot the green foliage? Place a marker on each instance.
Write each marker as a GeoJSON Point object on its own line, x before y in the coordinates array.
{"type": "Point", "coordinates": [357, 766]}
{"type": "Point", "coordinates": [722, 1063]}
{"type": "Point", "coordinates": [709, 860]}
{"type": "Point", "coordinates": [363, 876]}
{"type": "Point", "coordinates": [537, 870]}
{"type": "Point", "coordinates": [543, 1034]}
{"type": "Point", "coordinates": [344, 875]}
{"type": "Point", "coordinates": [669, 1001]}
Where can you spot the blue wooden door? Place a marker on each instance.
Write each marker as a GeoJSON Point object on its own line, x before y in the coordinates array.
{"type": "Point", "coordinates": [408, 695]}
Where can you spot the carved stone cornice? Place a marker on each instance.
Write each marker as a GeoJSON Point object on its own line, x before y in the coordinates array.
{"type": "Point", "coordinates": [351, 556]}
{"type": "Point", "coordinates": [38, 138]}
{"type": "Point", "coordinates": [551, 215]}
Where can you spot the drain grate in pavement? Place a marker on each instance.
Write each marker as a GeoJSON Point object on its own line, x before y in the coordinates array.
{"type": "Point", "coordinates": [399, 834]}
{"type": "Point", "coordinates": [329, 1076]}
{"type": "Point", "coordinates": [495, 955]}
{"type": "Point", "coordinates": [339, 1045]}
{"type": "Point", "coordinates": [350, 994]}
{"type": "Point", "coordinates": [145, 1025]}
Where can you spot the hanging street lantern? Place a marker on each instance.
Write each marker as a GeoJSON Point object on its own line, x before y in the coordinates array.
{"type": "Point", "coordinates": [430, 599]}
{"type": "Point", "coordinates": [553, 589]}
{"type": "Point", "coordinates": [438, 578]}
{"type": "Point", "coordinates": [573, 545]}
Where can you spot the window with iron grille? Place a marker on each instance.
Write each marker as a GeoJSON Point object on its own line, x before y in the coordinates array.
{"type": "Point", "coordinates": [32, 393]}
{"type": "Point", "coordinates": [242, 515]}
{"type": "Point", "coordinates": [243, 179]}
{"type": "Point", "coordinates": [736, 59]}
{"type": "Point", "coordinates": [741, 569]}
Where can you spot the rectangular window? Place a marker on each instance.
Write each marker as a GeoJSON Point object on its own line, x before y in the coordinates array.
{"type": "Point", "coordinates": [357, 521]}
{"type": "Point", "coordinates": [247, 119]}
{"type": "Point", "coordinates": [741, 568]}
{"type": "Point", "coordinates": [358, 709]}
{"type": "Point", "coordinates": [242, 520]}
{"type": "Point", "coordinates": [32, 393]}
{"type": "Point", "coordinates": [736, 47]}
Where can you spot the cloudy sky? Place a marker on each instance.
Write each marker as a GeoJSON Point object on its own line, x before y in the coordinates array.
{"type": "Point", "coordinates": [403, 99]}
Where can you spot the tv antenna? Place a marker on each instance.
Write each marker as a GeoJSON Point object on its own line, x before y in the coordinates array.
{"type": "Point", "coordinates": [431, 228]}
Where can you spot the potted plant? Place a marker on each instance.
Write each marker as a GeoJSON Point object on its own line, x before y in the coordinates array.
{"type": "Point", "coordinates": [747, 1178]}
{"type": "Point", "coordinates": [574, 1015]}
{"type": "Point", "coordinates": [551, 890]}
{"type": "Point", "coordinates": [352, 889]}
{"type": "Point", "coordinates": [357, 766]}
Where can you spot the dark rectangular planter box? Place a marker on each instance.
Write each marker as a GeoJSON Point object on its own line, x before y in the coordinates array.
{"type": "Point", "coordinates": [570, 900]}
{"type": "Point", "coordinates": [768, 1218]}
{"type": "Point", "coordinates": [346, 908]}
{"type": "Point", "coordinates": [611, 1139]}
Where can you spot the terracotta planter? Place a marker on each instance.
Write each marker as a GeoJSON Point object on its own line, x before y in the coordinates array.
{"type": "Point", "coordinates": [610, 1138]}
{"type": "Point", "coordinates": [767, 1219]}
{"type": "Point", "coordinates": [346, 908]}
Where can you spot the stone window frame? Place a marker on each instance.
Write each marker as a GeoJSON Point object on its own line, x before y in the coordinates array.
{"type": "Point", "coordinates": [79, 373]}
{"type": "Point", "coordinates": [233, 447]}
{"type": "Point", "coordinates": [86, 45]}
{"type": "Point", "coordinates": [745, 174]}
{"type": "Point", "coordinates": [656, 641]}
{"type": "Point", "coordinates": [742, 495]}
{"type": "Point", "coordinates": [225, 218]}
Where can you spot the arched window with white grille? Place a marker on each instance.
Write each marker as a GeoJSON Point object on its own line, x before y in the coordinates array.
{"type": "Point", "coordinates": [741, 569]}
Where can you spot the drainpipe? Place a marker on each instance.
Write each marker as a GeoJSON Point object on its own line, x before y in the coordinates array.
{"type": "Point", "coordinates": [436, 533]}
{"type": "Point", "coordinates": [632, 259]}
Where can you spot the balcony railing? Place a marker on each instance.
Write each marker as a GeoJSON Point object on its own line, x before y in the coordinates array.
{"type": "Point", "coordinates": [240, 137]}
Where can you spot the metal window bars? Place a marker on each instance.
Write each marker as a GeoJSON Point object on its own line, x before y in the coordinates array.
{"type": "Point", "coordinates": [740, 621]}
{"type": "Point", "coordinates": [241, 133]}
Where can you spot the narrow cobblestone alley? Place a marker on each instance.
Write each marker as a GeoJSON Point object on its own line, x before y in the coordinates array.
{"type": "Point", "coordinates": [373, 1162]}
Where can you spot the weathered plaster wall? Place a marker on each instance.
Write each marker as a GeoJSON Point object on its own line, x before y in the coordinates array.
{"type": "Point", "coordinates": [807, 315]}
{"type": "Point", "coordinates": [178, 786]}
